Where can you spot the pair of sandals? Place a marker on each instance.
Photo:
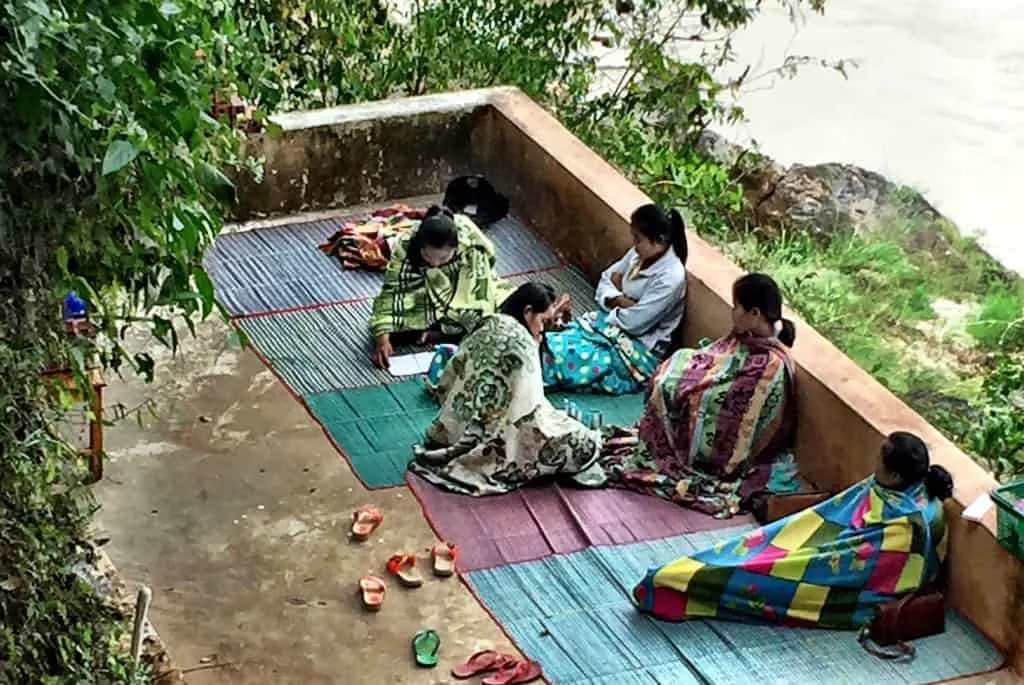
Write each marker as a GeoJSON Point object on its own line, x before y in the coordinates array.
{"type": "Point", "coordinates": [368, 519]}
{"type": "Point", "coordinates": [403, 567]}
{"type": "Point", "coordinates": [502, 669]}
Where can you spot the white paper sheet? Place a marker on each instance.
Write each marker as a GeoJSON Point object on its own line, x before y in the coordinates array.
{"type": "Point", "coordinates": [978, 508]}
{"type": "Point", "coordinates": [410, 364]}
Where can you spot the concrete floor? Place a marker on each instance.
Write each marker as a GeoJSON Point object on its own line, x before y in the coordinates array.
{"type": "Point", "coordinates": [233, 506]}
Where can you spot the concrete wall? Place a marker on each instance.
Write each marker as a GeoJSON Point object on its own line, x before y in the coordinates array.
{"type": "Point", "coordinates": [352, 155]}
{"type": "Point", "coordinates": [349, 156]}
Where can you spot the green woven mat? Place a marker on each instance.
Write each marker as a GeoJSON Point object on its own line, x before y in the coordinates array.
{"type": "Point", "coordinates": [376, 427]}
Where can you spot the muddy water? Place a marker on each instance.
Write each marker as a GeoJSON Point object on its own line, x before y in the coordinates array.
{"type": "Point", "coordinates": [936, 103]}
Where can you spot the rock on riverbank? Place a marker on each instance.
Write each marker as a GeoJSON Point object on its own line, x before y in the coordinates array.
{"type": "Point", "coordinates": [825, 198]}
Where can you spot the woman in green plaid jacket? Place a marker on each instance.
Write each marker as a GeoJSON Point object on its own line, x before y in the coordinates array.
{"type": "Point", "coordinates": [439, 284]}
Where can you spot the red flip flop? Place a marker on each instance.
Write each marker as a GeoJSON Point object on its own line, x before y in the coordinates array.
{"type": "Point", "coordinates": [403, 567]}
{"type": "Point", "coordinates": [515, 673]}
{"type": "Point", "coordinates": [482, 662]}
{"type": "Point", "coordinates": [365, 520]}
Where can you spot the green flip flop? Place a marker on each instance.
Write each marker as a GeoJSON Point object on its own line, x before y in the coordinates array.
{"type": "Point", "coordinates": [426, 645]}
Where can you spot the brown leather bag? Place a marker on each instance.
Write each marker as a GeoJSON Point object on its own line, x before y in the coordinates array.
{"type": "Point", "coordinates": [910, 618]}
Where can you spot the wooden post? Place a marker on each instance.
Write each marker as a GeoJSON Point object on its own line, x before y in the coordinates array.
{"type": "Point", "coordinates": [96, 427]}
{"type": "Point", "coordinates": [142, 602]}
{"type": "Point", "coordinates": [95, 448]}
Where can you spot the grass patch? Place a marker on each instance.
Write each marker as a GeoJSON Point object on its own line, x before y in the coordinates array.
{"type": "Point", "coordinates": [999, 323]}
{"type": "Point", "coordinates": [863, 292]}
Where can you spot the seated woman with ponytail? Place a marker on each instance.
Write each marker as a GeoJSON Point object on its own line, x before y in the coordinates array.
{"type": "Point", "coordinates": [831, 566]}
{"type": "Point", "coordinates": [496, 431]}
{"type": "Point", "coordinates": [717, 418]}
{"type": "Point", "coordinates": [641, 299]}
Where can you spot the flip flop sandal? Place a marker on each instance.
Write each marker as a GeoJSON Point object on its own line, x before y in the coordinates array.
{"type": "Point", "coordinates": [425, 646]}
{"type": "Point", "coordinates": [482, 662]}
{"type": "Point", "coordinates": [515, 673]}
{"type": "Point", "coordinates": [372, 589]}
{"type": "Point", "coordinates": [403, 567]}
{"type": "Point", "coordinates": [365, 520]}
{"type": "Point", "coordinates": [444, 555]}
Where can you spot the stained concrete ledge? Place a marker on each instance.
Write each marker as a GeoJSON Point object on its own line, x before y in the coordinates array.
{"type": "Point", "coordinates": [348, 156]}
{"type": "Point", "coordinates": [581, 204]}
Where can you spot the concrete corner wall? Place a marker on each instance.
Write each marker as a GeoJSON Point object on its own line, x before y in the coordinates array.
{"type": "Point", "coordinates": [364, 153]}
{"type": "Point", "coordinates": [353, 155]}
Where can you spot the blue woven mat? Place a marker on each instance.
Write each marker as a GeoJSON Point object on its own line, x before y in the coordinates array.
{"type": "Point", "coordinates": [270, 269]}
{"type": "Point", "coordinates": [518, 249]}
{"type": "Point", "coordinates": [316, 350]}
{"type": "Point", "coordinates": [573, 614]}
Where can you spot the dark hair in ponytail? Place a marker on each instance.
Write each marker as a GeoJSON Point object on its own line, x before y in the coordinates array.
{"type": "Point", "coordinates": [437, 230]}
{"type": "Point", "coordinates": [787, 336]}
{"type": "Point", "coordinates": [939, 483]}
{"type": "Point", "coordinates": [906, 455]}
{"type": "Point", "coordinates": [761, 292]}
{"type": "Point", "coordinates": [659, 226]}
{"type": "Point", "coordinates": [537, 296]}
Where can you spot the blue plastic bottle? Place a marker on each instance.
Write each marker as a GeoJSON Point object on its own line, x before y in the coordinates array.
{"type": "Point", "coordinates": [74, 307]}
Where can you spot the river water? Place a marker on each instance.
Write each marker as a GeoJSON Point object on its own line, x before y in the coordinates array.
{"type": "Point", "coordinates": [937, 103]}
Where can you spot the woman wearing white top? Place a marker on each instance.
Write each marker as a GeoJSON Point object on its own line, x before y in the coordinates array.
{"type": "Point", "coordinates": [642, 298]}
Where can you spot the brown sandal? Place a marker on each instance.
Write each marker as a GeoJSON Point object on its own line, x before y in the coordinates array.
{"type": "Point", "coordinates": [372, 589]}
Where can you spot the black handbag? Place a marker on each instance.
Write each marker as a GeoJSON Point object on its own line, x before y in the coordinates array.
{"type": "Point", "coordinates": [477, 198]}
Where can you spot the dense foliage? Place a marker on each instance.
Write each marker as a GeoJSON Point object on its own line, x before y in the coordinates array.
{"type": "Point", "coordinates": [111, 184]}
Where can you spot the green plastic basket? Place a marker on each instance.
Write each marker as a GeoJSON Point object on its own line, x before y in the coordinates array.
{"type": "Point", "coordinates": [1010, 519]}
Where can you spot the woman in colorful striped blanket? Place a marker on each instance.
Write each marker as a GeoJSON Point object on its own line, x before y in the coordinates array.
{"type": "Point", "coordinates": [641, 299]}
{"type": "Point", "coordinates": [830, 566]}
{"type": "Point", "coordinates": [719, 419]}
{"type": "Point", "coordinates": [439, 284]}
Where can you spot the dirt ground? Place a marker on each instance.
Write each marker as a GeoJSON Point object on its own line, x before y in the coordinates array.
{"type": "Point", "coordinates": [234, 508]}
